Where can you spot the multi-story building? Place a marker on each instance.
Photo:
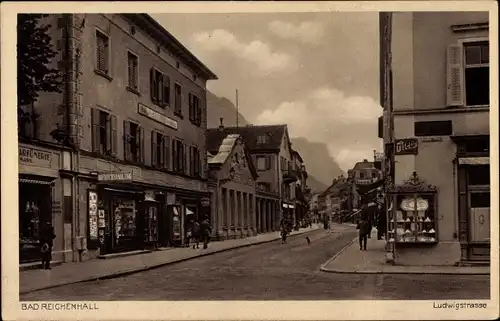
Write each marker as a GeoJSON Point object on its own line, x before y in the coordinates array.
{"type": "Point", "coordinates": [233, 180]}
{"type": "Point", "coordinates": [334, 197]}
{"type": "Point", "coordinates": [133, 118]}
{"type": "Point", "coordinates": [299, 188]}
{"type": "Point", "coordinates": [435, 76]}
{"type": "Point", "coordinates": [271, 153]}
{"type": "Point", "coordinates": [362, 174]}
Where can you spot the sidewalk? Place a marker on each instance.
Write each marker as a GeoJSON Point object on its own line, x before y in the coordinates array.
{"type": "Point", "coordinates": [351, 260]}
{"type": "Point", "coordinates": [69, 273]}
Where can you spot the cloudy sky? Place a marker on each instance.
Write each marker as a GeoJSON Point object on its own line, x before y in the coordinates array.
{"type": "Point", "coordinates": [316, 72]}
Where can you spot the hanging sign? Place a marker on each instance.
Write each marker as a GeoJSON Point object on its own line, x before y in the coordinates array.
{"type": "Point", "coordinates": [407, 146]}
{"type": "Point", "coordinates": [92, 201]}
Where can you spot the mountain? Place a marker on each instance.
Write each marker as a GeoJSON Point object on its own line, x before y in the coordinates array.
{"type": "Point", "coordinates": [315, 185]}
{"type": "Point", "coordinates": [318, 161]}
{"type": "Point", "coordinates": [321, 168]}
{"type": "Point", "coordinates": [218, 107]}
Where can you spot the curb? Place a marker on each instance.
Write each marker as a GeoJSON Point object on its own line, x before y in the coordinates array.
{"type": "Point", "coordinates": [147, 268]}
{"type": "Point", "coordinates": [324, 268]}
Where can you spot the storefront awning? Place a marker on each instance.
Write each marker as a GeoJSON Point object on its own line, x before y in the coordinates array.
{"type": "Point", "coordinates": [34, 181]}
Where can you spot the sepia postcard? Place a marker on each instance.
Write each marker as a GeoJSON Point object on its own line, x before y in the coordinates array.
{"type": "Point", "coordinates": [250, 160]}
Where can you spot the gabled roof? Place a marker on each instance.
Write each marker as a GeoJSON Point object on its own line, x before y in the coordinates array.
{"type": "Point", "coordinates": [337, 183]}
{"type": "Point", "coordinates": [250, 134]}
{"type": "Point", "coordinates": [226, 146]}
{"type": "Point", "coordinates": [363, 165]}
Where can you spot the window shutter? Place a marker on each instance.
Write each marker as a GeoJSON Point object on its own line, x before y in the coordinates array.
{"type": "Point", "coordinates": [152, 84]}
{"type": "Point", "coordinates": [140, 145]}
{"type": "Point", "coordinates": [159, 90]}
{"type": "Point", "coordinates": [166, 152]}
{"type": "Point", "coordinates": [153, 149]}
{"type": "Point", "coordinates": [166, 91]}
{"type": "Point", "coordinates": [268, 162]}
{"type": "Point", "coordinates": [95, 130]}
{"type": "Point", "coordinates": [184, 156]}
{"type": "Point", "coordinates": [190, 104]}
{"type": "Point", "coordinates": [198, 162]}
{"type": "Point", "coordinates": [161, 157]}
{"type": "Point", "coordinates": [198, 112]}
{"type": "Point", "coordinates": [126, 139]}
{"type": "Point", "coordinates": [114, 136]}
{"type": "Point", "coordinates": [175, 158]}
{"type": "Point", "coordinates": [454, 76]}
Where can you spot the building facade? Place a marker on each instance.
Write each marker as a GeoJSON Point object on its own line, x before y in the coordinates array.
{"type": "Point", "coordinates": [271, 153]}
{"type": "Point", "coordinates": [299, 188]}
{"type": "Point", "coordinates": [362, 174]}
{"type": "Point", "coordinates": [438, 93]}
{"type": "Point", "coordinates": [334, 198]}
{"type": "Point", "coordinates": [233, 176]}
{"type": "Point", "coordinates": [134, 115]}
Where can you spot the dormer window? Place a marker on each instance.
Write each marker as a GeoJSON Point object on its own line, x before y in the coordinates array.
{"type": "Point", "coordinates": [263, 139]}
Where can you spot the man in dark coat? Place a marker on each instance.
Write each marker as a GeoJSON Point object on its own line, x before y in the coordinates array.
{"type": "Point", "coordinates": [364, 228]}
{"type": "Point", "coordinates": [47, 237]}
{"type": "Point", "coordinates": [205, 230]}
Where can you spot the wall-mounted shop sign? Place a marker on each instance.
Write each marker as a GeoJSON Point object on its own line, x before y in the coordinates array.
{"type": "Point", "coordinates": [92, 213]}
{"type": "Point", "coordinates": [156, 116]}
{"type": "Point", "coordinates": [171, 199]}
{"type": "Point", "coordinates": [407, 146]}
{"type": "Point", "coordinates": [431, 139]}
{"type": "Point", "coordinates": [34, 157]}
{"type": "Point", "coordinates": [125, 176]}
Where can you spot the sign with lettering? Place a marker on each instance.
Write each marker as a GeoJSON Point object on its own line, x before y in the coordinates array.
{"type": "Point", "coordinates": [34, 157]}
{"type": "Point", "coordinates": [156, 116]}
{"type": "Point", "coordinates": [115, 177]}
{"type": "Point", "coordinates": [92, 201]}
{"type": "Point", "coordinates": [432, 139]}
{"type": "Point", "coordinates": [408, 146]}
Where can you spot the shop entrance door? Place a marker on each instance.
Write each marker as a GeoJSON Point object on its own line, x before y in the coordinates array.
{"type": "Point", "coordinates": [126, 225]}
{"type": "Point", "coordinates": [478, 186]}
{"type": "Point", "coordinates": [34, 210]}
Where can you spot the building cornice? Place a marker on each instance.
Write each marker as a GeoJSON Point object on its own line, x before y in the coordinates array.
{"type": "Point", "coordinates": [470, 27]}
{"type": "Point", "coordinates": [414, 112]}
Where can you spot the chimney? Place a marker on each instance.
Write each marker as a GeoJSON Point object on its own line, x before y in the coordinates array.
{"type": "Point", "coordinates": [221, 123]}
{"type": "Point", "coordinates": [365, 160]}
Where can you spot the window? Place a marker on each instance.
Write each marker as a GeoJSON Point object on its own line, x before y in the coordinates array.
{"type": "Point", "coordinates": [266, 187]}
{"type": "Point", "coordinates": [178, 156]}
{"type": "Point", "coordinates": [361, 175]}
{"type": "Point", "coordinates": [133, 142]}
{"type": "Point", "coordinates": [468, 73]}
{"type": "Point", "coordinates": [478, 175]}
{"type": "Point", "coordinates": [194, 159]}
{"type": "Point", "coordinates": [433, 128]}
{"type": "Point", "coordinates": [160, 88]}
{"type": "Point", "coordinates": [102, 52]}
{"type": "Point", "coordinates": [194, 109]}
{"type": "Point", "coordinates": [132, 71]}
{"type": "Point", "coordinates": [263, 163]}
{"type": "Point", "coordinates": [178, 99]}
{"type": "Point", "coordinates": [104, 135]}
{"type": "Point", "coordinates": [262, 139]}
{"type": "Point", "coordinates": [477, 73]}
{"type": "Point", "coordinates": [160, 150]}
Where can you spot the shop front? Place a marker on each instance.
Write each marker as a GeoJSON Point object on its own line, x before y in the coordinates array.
{"type": "Point", "coordinates": [39, 200]}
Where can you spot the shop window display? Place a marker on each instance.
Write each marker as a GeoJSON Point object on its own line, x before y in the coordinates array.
{"type": "Point", "coordinates": [29, 223]}
{"type": "Point", "coordinates": [413, 213]}
{"type": "Point", "coordinates": [124, 221]}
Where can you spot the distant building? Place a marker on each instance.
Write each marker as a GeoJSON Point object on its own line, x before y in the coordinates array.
{"type": "Point", "coordinates": [334, 199]}
{"type": "Point", "coordinates": [299, 187]}
{"type": "Point", "coordinates": [362, 174]}
{"type": "Point", "coordinates": [435, 73]}
{"type": "Point", "coordinates": [233, 176]}
{"type": "Point", "coordinates": [271, 153]}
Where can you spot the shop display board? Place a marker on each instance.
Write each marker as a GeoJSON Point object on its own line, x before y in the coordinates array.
{"type": "Point", "coordinates": [92, 214]}
{"type": "Point", "coordinates": [412, 215]}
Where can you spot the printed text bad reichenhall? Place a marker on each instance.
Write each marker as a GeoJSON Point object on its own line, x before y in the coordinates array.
{"type": "Point", "coordinates": [58, 306]}
{"type": "Point", "coordinates": [461, 305]}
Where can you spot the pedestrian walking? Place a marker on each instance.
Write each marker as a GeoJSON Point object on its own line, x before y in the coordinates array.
{"type": "Point", "coordinates": [363, 227]}
{"type": "Point", "coordinates": [46, 239]}
{"type": "Point", "coordinates": [195, 234]}
{"type": "Point", "coordinates": [284, 234]}
{"type": "Point", "coordinates": [205, 230]}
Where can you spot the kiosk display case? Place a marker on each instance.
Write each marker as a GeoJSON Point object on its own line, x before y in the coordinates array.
{"type": "Point", "coordinates": [412, 215]}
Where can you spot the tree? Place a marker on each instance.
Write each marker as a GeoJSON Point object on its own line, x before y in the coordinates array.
{"type": "Point", "coordinates": [34, 55]}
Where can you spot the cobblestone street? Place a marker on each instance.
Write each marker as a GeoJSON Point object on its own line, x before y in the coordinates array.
{"type": "Point", "coordinates": [271, 271]}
